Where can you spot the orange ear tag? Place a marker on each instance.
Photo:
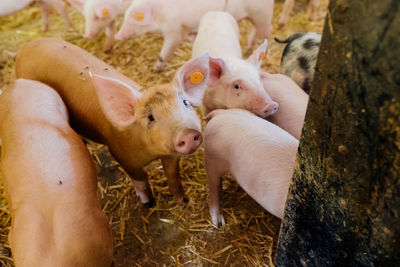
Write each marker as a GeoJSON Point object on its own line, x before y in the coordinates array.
{"type": "Point", "coordinates": [139, 16]}
{"type": "Point", "coordinates": [105, 12]}
{"type": "Point", "coordinates": [262, 54]}
{"type": "Point", "coordinates": [196, 77]}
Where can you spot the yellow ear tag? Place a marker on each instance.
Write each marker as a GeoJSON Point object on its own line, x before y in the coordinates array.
{"type": "Point", "coordinates": [196, 77]}
{"type": "Point", "coordinates": [139, 16]}
{"type": "Point", "coordinates": [262, 54]}
{"type": "Point", "coordinates": [105, 12]}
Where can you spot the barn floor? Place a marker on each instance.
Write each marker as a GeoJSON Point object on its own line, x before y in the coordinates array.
{"type": "Point", "coordinates": [168, 235]}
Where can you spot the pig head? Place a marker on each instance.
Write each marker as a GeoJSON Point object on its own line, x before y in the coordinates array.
{"type": "Point", "coordinates": [236, 83]}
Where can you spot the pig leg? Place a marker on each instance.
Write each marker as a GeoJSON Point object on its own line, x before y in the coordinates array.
{"type": "Point", "coordinates": [171, 169]}
{"type": "Point", "coordinates": [142, 187]}
{"type": "Point", "coordinates": [314, 4]}
{"type": "Point", "coordinates": [287, 8]}
{"type": "Point", "coordinates": [214, 173]}
{"type": "Point", "coordinates": [45, 8]}
{"type": "Point", "coordinates": [262, 29]}
{"type": "Point", "coordinates": [171, 42]}
{"type": "Point", "coordinates": [61, 8]}
{"type": "Point", "coordinates": [109, 37]}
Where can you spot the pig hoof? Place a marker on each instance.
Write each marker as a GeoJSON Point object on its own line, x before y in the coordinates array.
{"type": "Point", "coordinates": [107, 49]}
{"type": "Point", "coordinates": [150, 204]}
{"type": "Point", "coordinates": [159, 66]}
{"type": "Point", "coordinates": [218, 221]}
{"type": "Point", "coordinates": [183, 201]}
{"type": "Point", "coordinates": [281, 25]}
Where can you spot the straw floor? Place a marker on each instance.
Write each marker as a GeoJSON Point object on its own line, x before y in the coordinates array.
{"type": "Point", "coordinates": [167, 235]}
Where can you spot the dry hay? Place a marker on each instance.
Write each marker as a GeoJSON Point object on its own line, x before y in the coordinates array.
{"type": "Point", "coordinates": [167, 234]}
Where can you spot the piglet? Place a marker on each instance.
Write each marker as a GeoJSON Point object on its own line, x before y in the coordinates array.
{"type": "Point", "coordinates": [107, 107]}
{"type": "Point", "coordinates": [288, 6]}
{"type": "Point", "coordinates": [234, 82]}
{"type": "Point", "coordinates": [10, 6]}
{"type": "Point", "coordinates": [258, 154]}
{"type": "Point", "coordinates": [100, 14]}
{"type": "Point", "coordinates": [300, 57]}
{"type": "Point", "coordinates": [51, 183]}
{"type": "Point", "coordinates": [174, 19]}
{"type": "Point", "coordinates": [292, 102]}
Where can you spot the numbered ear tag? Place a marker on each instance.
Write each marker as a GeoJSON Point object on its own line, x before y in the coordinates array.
{"type": "Point", "coordinates": [196, 77]}
{"type": "Point", "coordinates": [262, 54]}
{"type": "Point", "coordinates": [105, 12]}
{"type": "Point", "coordinates": [139, 16]}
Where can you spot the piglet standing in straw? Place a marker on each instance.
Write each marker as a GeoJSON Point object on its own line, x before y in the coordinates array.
{"type": "Point", "coordinates": [107, 107]}
{"type": "Point", "coordinates": [100, 14]}
{"type": "Point", "coordinates": [234, 82]}
{"type": "Point", "coordinates": [51, 183]}
{"type": "Point", "coordinates": [259, 154]}
{"type": "Point", "coordinates": [175, 19]}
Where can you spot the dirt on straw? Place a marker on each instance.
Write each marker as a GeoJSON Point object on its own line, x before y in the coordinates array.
{"type": "Point", "coordinates": [168, 235]}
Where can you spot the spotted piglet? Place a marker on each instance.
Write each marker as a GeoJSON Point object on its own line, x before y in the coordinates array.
{"type": "Point", "coordinates": [299, 57]}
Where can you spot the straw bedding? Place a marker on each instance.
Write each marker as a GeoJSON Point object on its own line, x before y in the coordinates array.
{"type": "Point", "coordinates": [168, 234]}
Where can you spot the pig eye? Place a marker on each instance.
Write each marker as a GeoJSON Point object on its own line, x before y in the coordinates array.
{"type": "Point", "coordinates": [151, 118]}
{"type": "Point", "coordinates": [237, 86]}
{"type": "Point", "coordinates": [187, 104]}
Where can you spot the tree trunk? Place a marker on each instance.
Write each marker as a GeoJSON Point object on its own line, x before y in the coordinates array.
{"type": "Point", "coordinates": [343, 207]}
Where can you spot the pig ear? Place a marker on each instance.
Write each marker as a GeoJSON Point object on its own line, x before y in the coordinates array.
{"type": "Point", "coordinates": [117, 100]}
{"type": "Point", "coordinates": [141, 15]}
{"type": "Point", "coordinates": [192, 78]}
{"type": "Point", "coordinates": [217, 68]}
{"type": "Point", "coordinates": [258, 54]}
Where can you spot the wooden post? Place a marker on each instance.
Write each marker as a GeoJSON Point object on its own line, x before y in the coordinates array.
{"type": "Point", "coordinates": [343, 207]}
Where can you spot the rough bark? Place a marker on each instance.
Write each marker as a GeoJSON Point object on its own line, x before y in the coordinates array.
{"type": "Point", "coordinates": [343, 207]}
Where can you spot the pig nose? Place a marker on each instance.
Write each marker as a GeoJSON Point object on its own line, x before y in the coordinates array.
{"type": "Point", "coordinates": [188, 141]}
{"type": "Point", "coordinates": [270, 109]}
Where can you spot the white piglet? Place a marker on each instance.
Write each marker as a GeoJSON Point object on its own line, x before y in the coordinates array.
{"type": "Point", "coordinates": [259, 154]}
{"type": "Point", "coordinates": [234, 82]}
{"type": "Point", "coordinates": [175, 19]}
{"type": "Point", "coordinates": [99, 15]}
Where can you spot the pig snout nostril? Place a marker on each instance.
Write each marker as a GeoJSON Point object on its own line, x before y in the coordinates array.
{"type": "Point", "coordinates": [275, 108]}
{"type": "Point", "coordinates": [181, 143]}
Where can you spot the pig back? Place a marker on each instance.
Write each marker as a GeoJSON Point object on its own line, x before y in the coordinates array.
{"type": "Point", "coordinates": [65, 67]}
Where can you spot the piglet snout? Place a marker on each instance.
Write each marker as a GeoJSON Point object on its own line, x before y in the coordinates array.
{"type": "Point", "coordinates": [188, 141]}
{"type": "Point", "coordinates": [270, 109]}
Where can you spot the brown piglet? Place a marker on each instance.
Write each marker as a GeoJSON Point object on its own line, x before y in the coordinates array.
{"type": "Point", "coordinates": [51, 183]}
{"type": "Point", "coordinates": [105, 106]}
